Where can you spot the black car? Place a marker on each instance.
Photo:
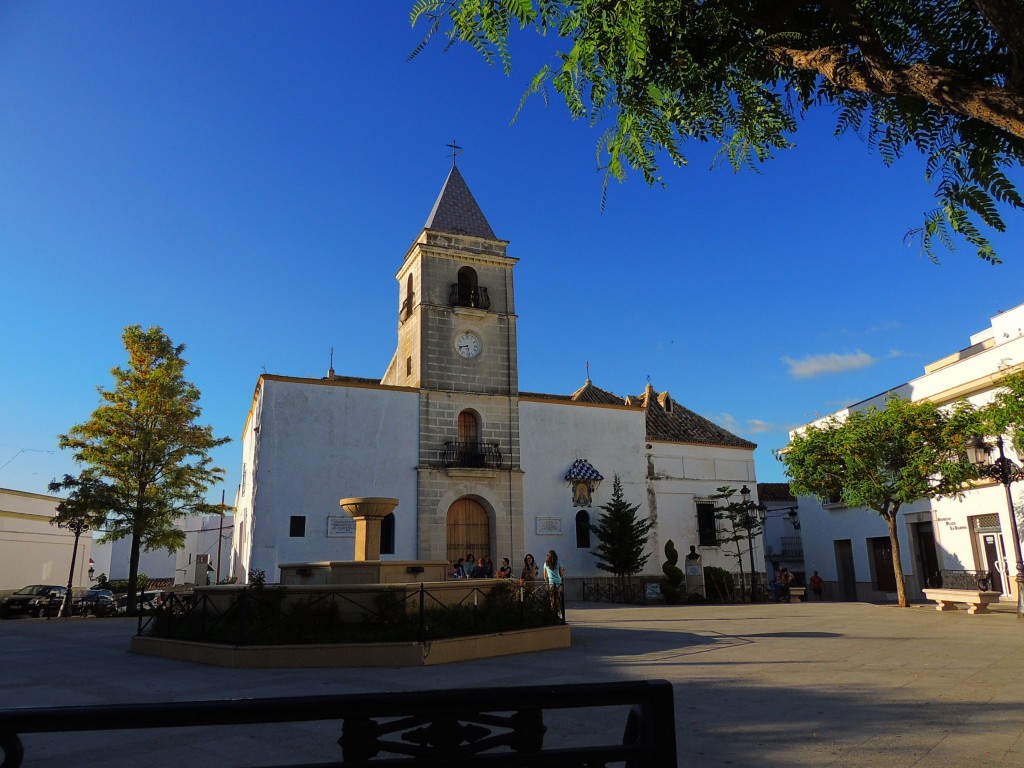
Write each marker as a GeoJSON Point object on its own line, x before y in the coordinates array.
{"type": "Point", "coordinates": [34, 600]}
{"type": "Point", "coordinates": [95, 602]}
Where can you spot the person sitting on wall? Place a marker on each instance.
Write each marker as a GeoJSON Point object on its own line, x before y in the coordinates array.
{"type": "Point", "coordinates": [480, 572]}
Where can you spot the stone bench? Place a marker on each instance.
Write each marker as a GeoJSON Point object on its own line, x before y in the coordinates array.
{"type": "Point", "coordinates": [797, 593]}
{"type": "Point", "coordinates": [977, 600]}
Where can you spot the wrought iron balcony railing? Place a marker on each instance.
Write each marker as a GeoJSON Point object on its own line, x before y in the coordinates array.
{"type": "Point", "coordinates": [473, 455]}
{"type": "Point", "coordinates": [464, 296]}
{"type": "Point", "coordinates": [792, 546]}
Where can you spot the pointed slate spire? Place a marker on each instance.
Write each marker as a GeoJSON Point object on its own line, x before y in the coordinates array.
{"type": "Point", "coordinates": [456, 211]}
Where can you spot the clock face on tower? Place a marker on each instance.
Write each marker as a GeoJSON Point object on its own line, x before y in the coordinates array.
{"type": "Point", "coordinates": [468, 345]}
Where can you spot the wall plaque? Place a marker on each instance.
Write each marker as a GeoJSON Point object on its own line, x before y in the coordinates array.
{"type": "Point", "coordinates": [341, 525]}
{"type": "Point", "coordinates": [549, 526]}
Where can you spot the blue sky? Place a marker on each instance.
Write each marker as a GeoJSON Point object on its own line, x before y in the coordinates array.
{"type": "Point", "coordinates": [249, 177]}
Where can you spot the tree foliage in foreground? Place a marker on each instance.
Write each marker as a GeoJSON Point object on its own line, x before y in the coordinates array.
{"type": "Point", "coordinates": [883, 459]}
{"type": "Point", "coordinates": [944, 79]}
{"type": "Point", "coordinates": [145, 460]}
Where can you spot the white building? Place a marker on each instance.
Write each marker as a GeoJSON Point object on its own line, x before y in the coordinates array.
{"type": "Point", "coordinates": [199, 561]}
{"type": "Point", "coordinates": [477, 465]}
{"type": "Point", "coordinates": [32, 551]}
{"type": "Point", "coordinates": [850, 547]}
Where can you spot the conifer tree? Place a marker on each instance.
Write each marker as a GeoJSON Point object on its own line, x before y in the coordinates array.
{"type": "Point", "coordinates": [143, 452]}
{"type": "Point", "coordinates": [623, 537]}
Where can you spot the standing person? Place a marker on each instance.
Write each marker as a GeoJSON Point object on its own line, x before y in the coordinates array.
{"type": "Point", "coordinates": [470, 565]}
{"type": "Point", "coordinates": [553, 573]}
{"type": "Point", "coordinates": [817, 585]}
{"type": "Point", "coordinates": [529, 574]}
{"type": "Point", "coordinates": [488, 568]}
{"type": "Point", "coordinates": [505, 570]}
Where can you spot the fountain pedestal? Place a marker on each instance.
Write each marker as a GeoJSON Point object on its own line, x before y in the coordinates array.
{"type": "Point", "coordinates": [368, 511]}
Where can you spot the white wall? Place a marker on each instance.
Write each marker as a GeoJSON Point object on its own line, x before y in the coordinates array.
{"type": "Point", "coordinates": [685, 473]}
{"type": "Point", "coordinates": [553, 434]}
{"type": "Point", "coordinates": [31, 550]}
{"type": "Point", "coordinates": [320, 442]}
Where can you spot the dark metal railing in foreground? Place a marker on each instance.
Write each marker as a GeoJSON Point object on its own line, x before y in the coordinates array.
{"type": "Point", "coordinates": [438, 728]}
{"type": "Point", "coordinates": [271, 615]}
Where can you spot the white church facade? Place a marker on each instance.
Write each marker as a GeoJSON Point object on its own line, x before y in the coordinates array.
{"type": "Point", "coordinates": [477, 465]}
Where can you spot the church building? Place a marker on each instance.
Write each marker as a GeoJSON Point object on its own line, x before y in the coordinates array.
{"type": "Point", "coordinates": [477, 465]}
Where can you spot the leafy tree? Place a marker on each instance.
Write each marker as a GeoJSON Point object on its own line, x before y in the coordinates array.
{"type": "Point", "coordinates": [622, 536]}
{"type": "Point", "coordinates": [943, 78]}
{"type": "Point", "coordinates": [143, 453]}
{"type": "Point", "coordinates": [1006, 412]}
{"type": "Point", "coordinates": [744, 528]}
{"type": "Point", "coordinates": [83, 505]}
{"type": "Point", "coordinates": [883, 459]}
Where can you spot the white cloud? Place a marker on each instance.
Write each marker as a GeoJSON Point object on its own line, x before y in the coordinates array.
{"type": "Point", "coordinates": [759, 426]}
{"type": "Point", "coordinates": [819, 365]}
{"type": "Point", "coordinates": [726, 421]}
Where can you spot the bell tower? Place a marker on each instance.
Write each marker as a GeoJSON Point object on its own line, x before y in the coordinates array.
{"type": "Point", "coordinates": [456, 313]}
{"type": "Point", "coordinates": [457, 345]}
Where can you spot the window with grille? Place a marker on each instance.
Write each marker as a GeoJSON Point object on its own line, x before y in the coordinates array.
{"type": "Point", "coordinates": [707, 524]}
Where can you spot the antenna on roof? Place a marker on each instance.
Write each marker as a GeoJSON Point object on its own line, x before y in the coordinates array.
{"type": "Point", "coordinates": [456, 150]}
{"type": "Point", "coordinates": [330, 368]}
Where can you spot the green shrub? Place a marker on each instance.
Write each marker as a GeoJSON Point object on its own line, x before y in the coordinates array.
{"type": "Point", "coordinates": [673, 575]}
{"type": "Point", "coordinates": [259, 616]}
{"type": "Point", "coordinates": [718, 584]}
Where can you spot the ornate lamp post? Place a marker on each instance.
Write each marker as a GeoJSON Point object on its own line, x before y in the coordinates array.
{"type": "Point", "coordinates": [1004, 471]}
{"type": "Point", "coordinates": [753, 518]}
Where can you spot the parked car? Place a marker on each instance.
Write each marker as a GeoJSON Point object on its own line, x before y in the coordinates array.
{"type": "Point", "coordinates": [95, 602]}
{"type": "Point", "coordinates": [149, 601]}
{"type": "Point", "coordinates": [34, 600]}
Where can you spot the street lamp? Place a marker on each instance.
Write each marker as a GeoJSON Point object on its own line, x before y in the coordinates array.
{"type": "Point", "coordinates": [1004, 471]}
{"type": "Point", "coordinates": [753, 517]}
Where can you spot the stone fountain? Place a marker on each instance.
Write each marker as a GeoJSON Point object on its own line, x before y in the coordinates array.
{"type": "Point", "coordinates": [366, 567]}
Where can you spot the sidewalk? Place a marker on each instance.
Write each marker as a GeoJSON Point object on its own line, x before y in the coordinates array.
{"type": "Point", "coordinates": [801, 684]}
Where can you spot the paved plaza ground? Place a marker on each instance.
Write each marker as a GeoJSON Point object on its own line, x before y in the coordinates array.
{"type": "Point", "coordinates": [801, 684]}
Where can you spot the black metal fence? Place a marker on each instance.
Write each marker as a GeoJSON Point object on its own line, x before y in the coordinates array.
{"type": "Point", "coordinates": [505, 729]}
{"type": "Point", "coordinates": [275, 615]}
{"type": "Point", "coordinates": [972, 580]}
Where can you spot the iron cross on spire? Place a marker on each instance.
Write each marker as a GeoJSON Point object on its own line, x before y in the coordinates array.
{"type": "Point", "coordinates": [456, 150]}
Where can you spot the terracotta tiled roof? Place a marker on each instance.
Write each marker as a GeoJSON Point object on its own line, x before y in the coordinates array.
{"type": "Point", "coordinates": [671, 422]}
{"type": "Point", "coordinates": [588, 393]}
{"type": "Point", "coordinates": [774, 492]}
{"type": "Point", "coordinates": [456, 210]}
{"type": "Point", "coordinates": [667, 420]}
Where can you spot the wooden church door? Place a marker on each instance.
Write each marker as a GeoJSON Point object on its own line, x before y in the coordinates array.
{"type": "Point", "coordinates": [468, 530]}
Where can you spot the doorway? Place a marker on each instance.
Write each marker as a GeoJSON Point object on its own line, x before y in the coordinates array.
{"type": "Point", "coordinates": [993, 556]}
{"type": "Point", "coordinates": [469, 530]}
{"type": "Point", "coordinates": [927, 555]}
{"type": "Point", "coordinates": [844, 570]}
